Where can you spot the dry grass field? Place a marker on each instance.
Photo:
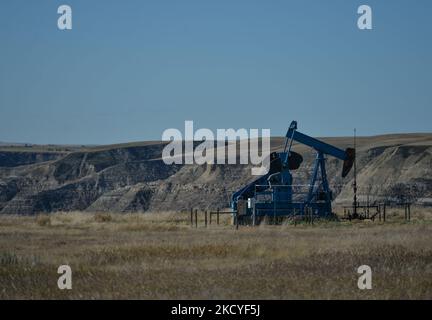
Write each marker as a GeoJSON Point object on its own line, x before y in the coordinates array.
{"type": "Point", "coordinates": [159, 256]}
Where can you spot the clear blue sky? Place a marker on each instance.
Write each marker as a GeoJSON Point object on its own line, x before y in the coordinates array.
{"type": "Point", "coordinates": [130, 69]}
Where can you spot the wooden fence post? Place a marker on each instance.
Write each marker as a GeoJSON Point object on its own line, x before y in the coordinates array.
{"type": "Point", "coordinates": [205, 218]}
{"type": "Point", "coordinates": [191, 217]}
{"type": "Point", "coordinates": [217, 217]}
{"type": "Point", "coordinates": [196, 218]}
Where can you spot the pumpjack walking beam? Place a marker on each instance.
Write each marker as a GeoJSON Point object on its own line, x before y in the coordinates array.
{"type": "Point", "coordinates": [321, 147]}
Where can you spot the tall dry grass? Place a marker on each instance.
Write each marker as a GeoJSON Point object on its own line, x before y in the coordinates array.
{"type": "Point", "coordinates": [154, 256]}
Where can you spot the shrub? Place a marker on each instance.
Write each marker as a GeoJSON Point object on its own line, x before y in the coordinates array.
{"type": "Point", "coordinates": [102, 217]}
{"type": "Point", "coordinates": [43, 220]}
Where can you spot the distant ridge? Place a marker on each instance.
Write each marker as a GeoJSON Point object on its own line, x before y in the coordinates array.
{"type": "Point", "coordinates": [131, 177]}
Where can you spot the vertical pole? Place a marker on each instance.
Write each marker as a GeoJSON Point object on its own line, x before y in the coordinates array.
{"type": "Point", "coordinates": [191, 217]}
{"type": "Point", "coordinates": [274, 205]}
{"type": "Point", "coordinates": [217, 217]}
{"type": "Point", "coordinates": [205, 218]}
{"type": "Point", "coordinates": [253, 217]}
{"type": "Point", "coordinates": [409, 211]}
{"type": "Point", "coordinates": [384, 213]}
{"type": "Point", "coordinates": [211, 213]}
{"type": "Point", "coordinates": [368, 205]}
{"type": "Point", "coordinates": [355, 176]}
{"type": "Point", "coordinates": [196, 218]}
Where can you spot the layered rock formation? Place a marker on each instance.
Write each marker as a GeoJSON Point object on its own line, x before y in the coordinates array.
{"type": "Point", "coordinates": [133, 178]}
